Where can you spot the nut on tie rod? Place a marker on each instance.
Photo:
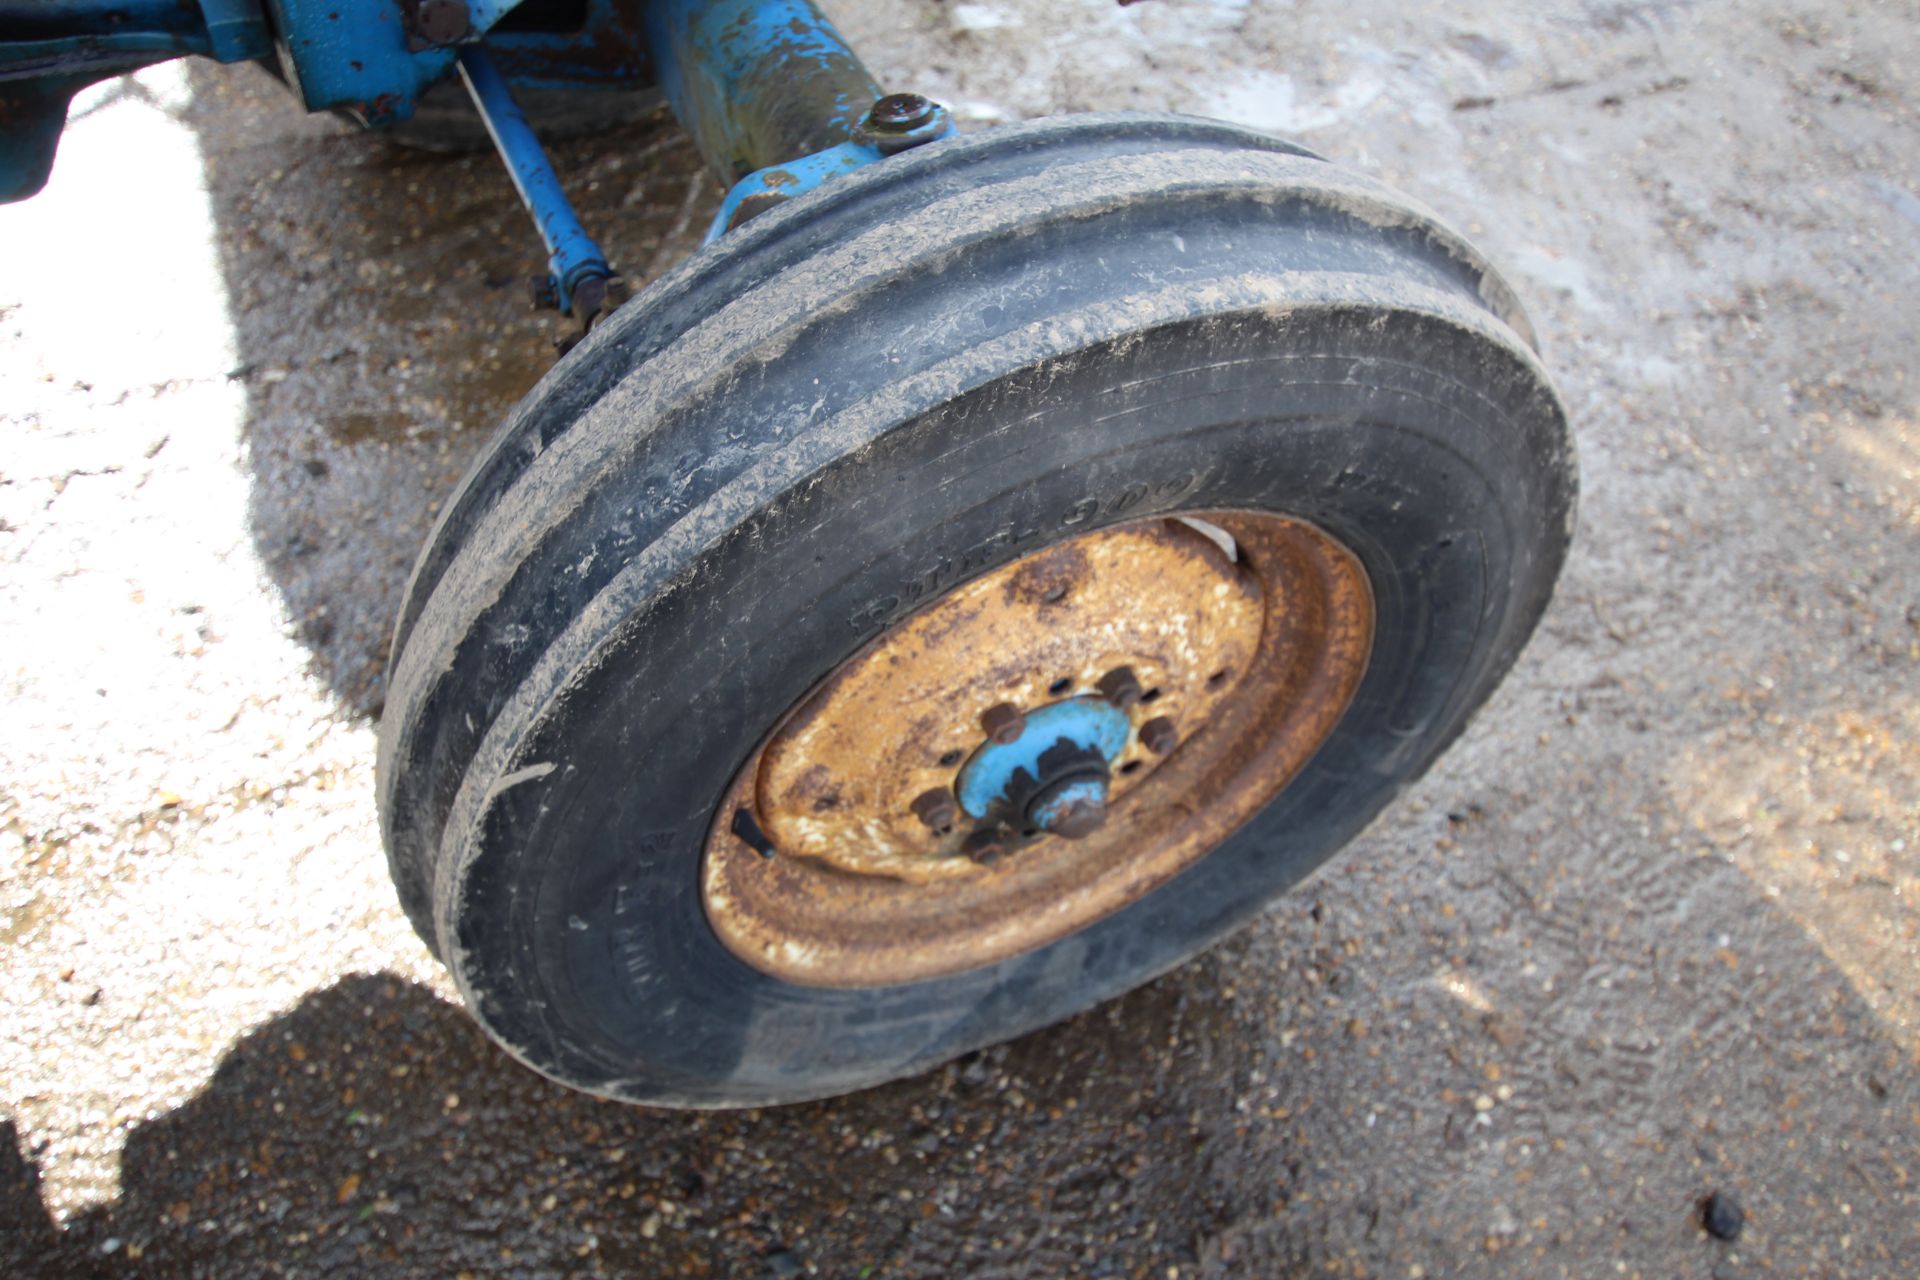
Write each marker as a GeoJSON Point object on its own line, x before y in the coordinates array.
{"type": "Point", "coordinates": [577, 270]}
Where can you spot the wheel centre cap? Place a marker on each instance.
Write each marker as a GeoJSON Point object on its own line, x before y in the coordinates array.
{"type": "Point", "coordinates": [1053, 775]}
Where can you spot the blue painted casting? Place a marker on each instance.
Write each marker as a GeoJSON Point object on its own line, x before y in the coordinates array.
{"type": "Point", "coordinates": [575, 257]}
{"type": "Point", "coordinates": [785, 181]}
{"type": "Point", "coordinates": [1089, 723]}
{"type": "Point", "coordinates": [236, 30]}
{"type": "Point", "coordinates": [771, 93]}
{"type": "Point", "coordinates": [756, 82]}
{"type": "Point", "coordinates": [352, 55]}
{"type": "Point", "coordinates": [359, 56]}
{"type": "Point", "coordinates": [52, 49]}
{"type": "Point", "coordinates": [607, 51]}
{"type": "Point", "coordinates": [39, 37]}
{"type": "Point", "coordinates": [774, 97]}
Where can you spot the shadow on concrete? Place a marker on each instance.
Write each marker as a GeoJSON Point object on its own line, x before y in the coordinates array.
{"type": "Point", "coordinates": [379, 298]}
{"type": "Point", "coordinates": [28, 1237]}
{"type": "Point", "coordinates": [1288, 1105]}
{"type": "Point", "coordinates": [373, 1130]}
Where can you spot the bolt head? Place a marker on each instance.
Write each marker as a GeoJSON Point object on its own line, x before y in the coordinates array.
{"type": "Point", "coordinates": [1075, 808]}
{"type": "Point", "coordinates": [1003, 723]}
{"type": "Point", "coordinates": [900, 113]}
{"type": "Point", "coordinates": [1120, 687]}
{"type": "Point", "coordinates": [936, 808]}
{"type": "Point", "coordinates": [1159, 736]}
{"type": "Point", "coordinates": [985, 846]}
{"type": "Point", "coordinates": [590, 298]}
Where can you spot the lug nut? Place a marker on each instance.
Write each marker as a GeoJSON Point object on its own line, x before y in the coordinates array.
{"type": "Point", "coordinates": [1120, 687]}
{"type": "Point", "coordinates": [1003, 723]}
{"type": "Point", "coordinates": [1159, 736]}
{"type": "Point", "coordinates": [985, 846]}
{"type": "Point", "coordinates": [589, 298]}
{"type": "Point", "coordinates": [1074, 808]}
{"type": "Point", "coordinates": [935, 808]}
{"type": "Point", "coordinates": [900, 113]}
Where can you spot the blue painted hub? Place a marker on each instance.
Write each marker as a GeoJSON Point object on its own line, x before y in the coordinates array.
{"type": "Point", "coordinates": [1057, 768]}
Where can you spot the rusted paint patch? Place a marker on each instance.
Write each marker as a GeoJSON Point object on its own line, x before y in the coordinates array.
{"type": "Point", "coordinates": [1255, 662]}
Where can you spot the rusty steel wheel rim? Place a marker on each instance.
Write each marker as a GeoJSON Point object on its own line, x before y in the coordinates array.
{"type": "Point", "coordinates": [1200, 659]}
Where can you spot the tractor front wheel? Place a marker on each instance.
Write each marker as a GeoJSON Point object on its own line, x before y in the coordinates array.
{"type": "Point", "coordinates": [956, 597]}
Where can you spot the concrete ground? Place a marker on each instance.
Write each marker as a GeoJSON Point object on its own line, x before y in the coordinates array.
{"type": "Point", "coordinates": [1648, 934]}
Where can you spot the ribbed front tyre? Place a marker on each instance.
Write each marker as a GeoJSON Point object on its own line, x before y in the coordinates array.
{"type": "Point", "coordinates": [994, 407]}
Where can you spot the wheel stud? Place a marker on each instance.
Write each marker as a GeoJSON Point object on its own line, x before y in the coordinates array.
{"type": "Point", "coordinates": [1120, 687]}
{"type": "Point", "coordinates": [1003, 722]}
{"type": "Point", "coordinates": [936, 808]}
{"type": "Point", "coordinates": [1159, 736]}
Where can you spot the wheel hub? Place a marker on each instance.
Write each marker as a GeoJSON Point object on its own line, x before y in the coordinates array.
{"type": "Point", "coordinates": [1051, 775]}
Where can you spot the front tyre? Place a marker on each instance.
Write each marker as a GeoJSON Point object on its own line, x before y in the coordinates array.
{"type": "Point", "coordinates": [1010, 413]}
